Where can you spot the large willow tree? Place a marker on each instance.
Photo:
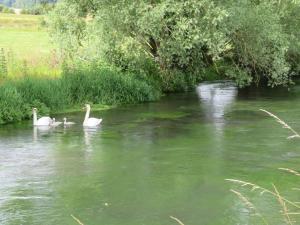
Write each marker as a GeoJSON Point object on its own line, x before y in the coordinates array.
{"type": "Point", "coordinates": [249, 40]}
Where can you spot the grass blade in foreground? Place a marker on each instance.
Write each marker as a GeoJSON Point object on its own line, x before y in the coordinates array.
{"type": "Point", "coordinates": [285, 125]}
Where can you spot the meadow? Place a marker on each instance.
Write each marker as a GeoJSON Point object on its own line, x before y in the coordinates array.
{"type": "Point", "coordinates": [26, 47]}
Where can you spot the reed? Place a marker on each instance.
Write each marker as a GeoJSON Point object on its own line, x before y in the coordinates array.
{"type": "Point", "coordinates": [249, 205]}
{"type": "Point", "coordinates": [77, 220]}
{"type": "Point", "coordinates": [177, 220]}
{"type": "Point", "coordinates": [284, 124]}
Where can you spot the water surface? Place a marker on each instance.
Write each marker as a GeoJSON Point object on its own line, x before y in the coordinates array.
{"type": "Point", "coordinates": [151, 161]}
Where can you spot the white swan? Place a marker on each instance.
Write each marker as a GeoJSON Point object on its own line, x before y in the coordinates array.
{"type": "Point", "coordinates": [43, 121]}
{"type": "Point", "coordinates": [67, 123]}
{"type": "Point", "coordinates": [54, 123]}
{"type": "Point", "coordinates": [90, 122]}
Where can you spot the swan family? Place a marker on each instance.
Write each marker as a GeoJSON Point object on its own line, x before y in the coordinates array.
{"type": "Point", "coordinates": [50, 122]}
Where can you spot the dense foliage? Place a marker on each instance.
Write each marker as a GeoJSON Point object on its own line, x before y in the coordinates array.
{"type": "Point", "coordinates": [250, 41]}
{"type": "Point", "coordinates": [105, 85]}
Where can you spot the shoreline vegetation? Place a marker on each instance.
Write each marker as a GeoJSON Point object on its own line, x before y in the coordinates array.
{"type": "Point", "coordinates": [54, 95]}
{"type": "Point", "coordinates": [115, 52]}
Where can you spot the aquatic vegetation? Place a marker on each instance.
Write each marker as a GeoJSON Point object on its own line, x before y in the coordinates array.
{"type": "Point", "coordinates": [165, 115]}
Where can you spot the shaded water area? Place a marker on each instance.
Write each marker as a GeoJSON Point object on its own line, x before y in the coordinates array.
{"type": "Point", "coordinates": [151, 161]}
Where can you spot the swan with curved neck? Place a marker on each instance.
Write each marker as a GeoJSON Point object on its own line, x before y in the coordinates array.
{"type": "Point", "coordinates": [90, 122]}
{"type": "Point", "coordinates": [43, 121]}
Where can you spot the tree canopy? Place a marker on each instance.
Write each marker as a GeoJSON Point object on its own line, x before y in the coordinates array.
{"type": "Point", "coordinates": [250, 41]}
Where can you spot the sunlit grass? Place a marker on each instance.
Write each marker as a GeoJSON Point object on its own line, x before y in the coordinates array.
{"type": "Point", "coordinates": [13, 21]}
{"type": "Point", "coordinates": [27, 46]}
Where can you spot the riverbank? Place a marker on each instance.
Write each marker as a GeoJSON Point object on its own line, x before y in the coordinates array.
{"type": "Point", "coordinates": [104, 86]}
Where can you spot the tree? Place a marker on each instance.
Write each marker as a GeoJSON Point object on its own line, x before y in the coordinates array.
{"type": "Point", "coordinates": [249, 41]}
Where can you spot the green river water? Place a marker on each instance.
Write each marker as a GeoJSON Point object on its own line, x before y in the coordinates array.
{"type": "Point", "coordinates": [150, 161]}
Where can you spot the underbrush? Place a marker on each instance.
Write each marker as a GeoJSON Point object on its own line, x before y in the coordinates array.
{"type": "Point", "coordinates": [96, 85]}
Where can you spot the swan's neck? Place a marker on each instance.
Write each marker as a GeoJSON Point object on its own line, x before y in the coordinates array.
{"type": "Point", "coordinates": [34, 118]}
{"type": "Point", "coordinates": [87, 115]}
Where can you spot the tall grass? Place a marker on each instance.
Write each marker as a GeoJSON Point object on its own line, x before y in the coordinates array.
{"type": "Point", "coordinates": [289, 209]}
{"type": "Point", "coordinates": [107, 85]}
{"type": "Point", "coordinates": [99, 85]}
{"type": "Point", "coordinates": [3, 64]}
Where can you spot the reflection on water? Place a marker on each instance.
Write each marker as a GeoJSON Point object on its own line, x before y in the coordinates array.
{"type": "Point", "coordinates": [39, 131]}
{"type": "Point", "coordinates": [25, 168]}
{"type": "Point", "coordinates": [89, 134]}
{"type": "Point", "coordinates": [216, 98]}
{"type": "Point", "coordinates": [148, 162]}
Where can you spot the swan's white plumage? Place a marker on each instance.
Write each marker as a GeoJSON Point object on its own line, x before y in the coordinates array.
{"type": "Point", "coordinates": [54, 123]}
{"type": "Point", "coordinates": [43, 121]}
{"type": "Point", "coordinates": [90, 122]}
{"type": "Point", "coordinates": [67, 123]}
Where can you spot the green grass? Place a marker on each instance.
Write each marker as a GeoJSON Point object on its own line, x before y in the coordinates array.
{"type": "Point", "coordinates": [24, 22]}
{"type": "Point", "coordinates": [27, 46]}
{"type": "Point", "coordinates": [98, 85]}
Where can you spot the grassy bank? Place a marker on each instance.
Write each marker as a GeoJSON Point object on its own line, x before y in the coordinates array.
{"type": "Point", "coordinates": [98, 85]}
{"type": "Point", "coordinates": [32, 76]}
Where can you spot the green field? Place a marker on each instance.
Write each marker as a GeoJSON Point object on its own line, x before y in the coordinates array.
{"type": "Point", "coordinates": [13, 21]}
{"type": "Point", "coordinates": [27, 45]}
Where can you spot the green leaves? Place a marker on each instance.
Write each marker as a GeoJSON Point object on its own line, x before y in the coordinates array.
{"type": "Point", "coordinates": [256, 40]}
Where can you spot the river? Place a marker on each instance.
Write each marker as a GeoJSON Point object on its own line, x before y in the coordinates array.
{"type": "Point", "coordinates": [150, 161]}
